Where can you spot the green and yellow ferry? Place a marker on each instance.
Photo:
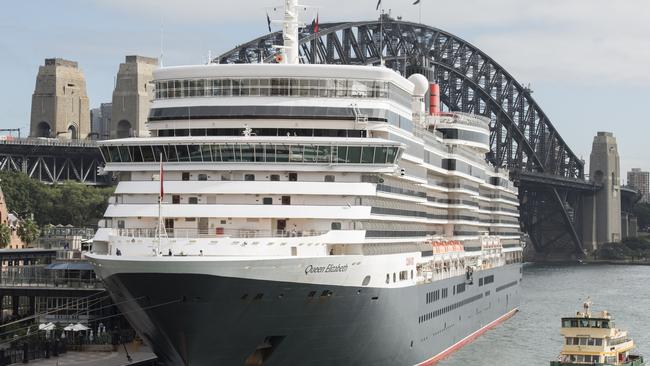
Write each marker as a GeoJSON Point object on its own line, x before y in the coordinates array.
{"type": "Point", "coordinates": [591, 338]}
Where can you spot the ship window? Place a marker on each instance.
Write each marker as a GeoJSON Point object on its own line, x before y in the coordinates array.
{"type": "Point", "coordinates": [225, 176]}
{"type": "Point", "coordinates": [203, 177]}
{"type": "Point", "coordinates": [286, 200]}
{"type": "Point", "coordinates": [293, 177]}
{"type": "Point", "coordinates": [120, 224]}
{"type": "Point", "coordinates": [193, 200]}
{"type": "Point", "coordinates": [249, 177]}
{"type": "Point", "coordinates": [387, 278]}
{"type": "Point", "coordinates": [267, 200]}
{"type": "Point", "coordinates": [394, 277]}
{"type": "Point", "coordinates": [336, 226]}
{"type": "Point", "coordinates": [367, 154]}
{"type": "Point", "coordinates": [275, 178]}
{"type": "Point", "coordinates": [185, 176]}
{"type": "Point", "coordinates": [354, 155]}
{"type": "Point", "coordinates": [329, 178]}
{"type": "Point", "coordinates": [176, 199]}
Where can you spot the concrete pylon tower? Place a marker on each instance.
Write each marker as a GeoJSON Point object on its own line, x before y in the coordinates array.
{"type": "Point", "coordinates": [132, 97]}
{"type": "Point", "coordinates": [60, 103]}
{"type": "Point", "coordinates": [603, 210]}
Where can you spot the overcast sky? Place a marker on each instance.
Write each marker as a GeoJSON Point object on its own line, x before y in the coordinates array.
{"type": "Point", "coordinates": [588, 61]}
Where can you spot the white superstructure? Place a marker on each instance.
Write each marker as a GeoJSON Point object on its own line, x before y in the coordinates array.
{"type": "Point", "coordinates": [279, 161]}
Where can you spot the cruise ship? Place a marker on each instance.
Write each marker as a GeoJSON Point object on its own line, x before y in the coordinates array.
{"type": "Point", "coordinates": [307, 214]}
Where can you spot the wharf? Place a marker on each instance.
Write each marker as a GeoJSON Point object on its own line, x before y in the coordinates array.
{"type": "Point", "coordinates": [142, 356]}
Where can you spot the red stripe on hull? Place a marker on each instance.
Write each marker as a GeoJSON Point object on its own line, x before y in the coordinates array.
{"type": "Point", "coordinates": [469, 339]}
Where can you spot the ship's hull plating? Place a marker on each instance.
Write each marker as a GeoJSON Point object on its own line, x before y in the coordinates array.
{"type": "Point", "coordinates": [194, 319]}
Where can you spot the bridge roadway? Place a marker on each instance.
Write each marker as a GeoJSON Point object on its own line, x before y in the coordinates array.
{"type": "Point", "coordinates": [54, 160]}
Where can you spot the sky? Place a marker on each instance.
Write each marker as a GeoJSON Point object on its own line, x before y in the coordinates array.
{"type": "Point", "coordinates": [587, 61]}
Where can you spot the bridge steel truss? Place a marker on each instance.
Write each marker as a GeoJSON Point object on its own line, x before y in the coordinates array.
{"type": "Point", "coordinates": [54, 161]}
{"type": "Point", "coordinates": [522, 139]}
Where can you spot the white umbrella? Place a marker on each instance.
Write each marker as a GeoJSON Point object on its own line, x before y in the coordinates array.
{"type": "Point", "coordinates": [46, 327]}
{"type": "Point", "coordinates": [79, 327]}
{"type": "Point", "coordinates": [69, 327]}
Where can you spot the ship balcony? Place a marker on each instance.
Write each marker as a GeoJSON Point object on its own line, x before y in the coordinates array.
{"type": "Point", "coordinates": [216, 233]}
{"type": "Point", "coordinates": [227, 242]}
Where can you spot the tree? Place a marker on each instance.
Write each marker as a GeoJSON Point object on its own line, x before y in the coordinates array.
{"type": "Point", "coordinates": [28, 231]}
{"type": "Point", "coordinates": [5, 235]}
{"type": "Point", "coordinates": [642, 212]}
{"type": "Point", "coordinates": [64, 203]}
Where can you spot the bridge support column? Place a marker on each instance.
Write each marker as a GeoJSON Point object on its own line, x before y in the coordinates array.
{"type": "Point", "coordinates": [589, 222]}
{"type": "Point", "coordinates": [604, 169]}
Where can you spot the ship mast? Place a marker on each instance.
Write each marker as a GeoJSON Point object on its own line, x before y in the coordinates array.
{"type": "Point", "coordinates": [290, 32]}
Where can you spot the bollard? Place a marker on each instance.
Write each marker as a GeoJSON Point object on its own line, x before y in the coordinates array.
{"type": "Point", "coordinates": [25, 353]}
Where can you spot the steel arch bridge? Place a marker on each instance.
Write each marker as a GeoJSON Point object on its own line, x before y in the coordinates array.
{"type": "Point", "coordinates": [523, 139]}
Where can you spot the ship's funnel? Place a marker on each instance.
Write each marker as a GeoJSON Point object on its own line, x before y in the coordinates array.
{"type": "Point", "coordinates": [434, 99]}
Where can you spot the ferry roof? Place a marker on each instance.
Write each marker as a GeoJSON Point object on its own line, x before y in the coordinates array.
{"type": "Point", "coordinates": [283, 70]}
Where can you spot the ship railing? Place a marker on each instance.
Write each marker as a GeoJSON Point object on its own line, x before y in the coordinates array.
{"type": "Point", "coordinates": [215, 233]}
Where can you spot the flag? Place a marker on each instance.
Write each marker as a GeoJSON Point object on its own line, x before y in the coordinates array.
{"type": "Point", "coordinates": [268, 21]}
{"type": "Point", "coordinates": [416, 2]}
{"type": "Point", "coordinates": [316, 24]}
{"type": "Point", "coordinates": [378, 5]}
{"type": "Point", "coordinates": [162, 179]}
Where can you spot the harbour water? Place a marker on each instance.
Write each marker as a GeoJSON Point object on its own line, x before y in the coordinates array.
{"type": "Point", "coordinates": [549, 292]}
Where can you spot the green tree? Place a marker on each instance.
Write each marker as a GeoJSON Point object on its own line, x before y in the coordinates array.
{"type": "Point", "coordinates": [5, 235]}
{"type": "Point", "coordinates": [66, 203]}
{"type": "Point", "coordinates": [28, 231]}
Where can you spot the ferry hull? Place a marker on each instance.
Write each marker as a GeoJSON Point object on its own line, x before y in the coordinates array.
{"type": "Point", "coordinates": [197, 319]}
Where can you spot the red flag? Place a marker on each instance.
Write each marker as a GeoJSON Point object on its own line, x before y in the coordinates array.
{"type": "Point", "coordinates": [316, 24]}
{"type": "Point", "coordinates": [162, 179]}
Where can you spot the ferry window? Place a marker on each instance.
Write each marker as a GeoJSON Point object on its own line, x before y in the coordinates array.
{"type": "Point", "coordinates": [267, 200]}
{"type": "Point", "coordinates": [176, 199]}
{"type": "Point", "coordinates": [574, 323]}
{"type": "Point", "coordinates": [566, 323]}
{"type": "Point", "coordinates": [249, 177]}
{"type": "Point", "coordinates": [203, 177]}
{"type": "Point", "coordinates": [329, 178]}
{"type": "Point", "coordinates": [391, 154]}
{"type": "Point", "coordinates": [336, 226]}
{"type": "Point", "coordinates": [183, 153]}
{"type": "Point", "coordinates": [185, 176]}
{"type": "Point", "coordinates": [293, 177]}
{"type": "Point", "coordinates": [583, 341]}
{"type": "Point", "coordinates": [275, 178]}
{"type": "Point", "coordinates": [193, 200]}
{"type": "Point", "coordinates": [403, 275]}
{"type": "Point", "coordinates": [286, 200]}
{"type": "Point", "coordinates": [120, 224]}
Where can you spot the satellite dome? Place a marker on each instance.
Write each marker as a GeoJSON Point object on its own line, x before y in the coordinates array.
{"type": "Point", "coordinates": [421, 84]}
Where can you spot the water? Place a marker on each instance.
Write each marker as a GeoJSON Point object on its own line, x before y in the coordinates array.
{"type": "Point", "coordinates": [532, 337]}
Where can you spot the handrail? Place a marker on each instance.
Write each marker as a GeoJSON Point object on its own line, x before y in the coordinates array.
{"type": "Point", "coordinates": [215, 233]}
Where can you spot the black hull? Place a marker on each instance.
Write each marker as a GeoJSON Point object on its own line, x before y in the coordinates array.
{"type": "Point", "coordinates": [191, 319]}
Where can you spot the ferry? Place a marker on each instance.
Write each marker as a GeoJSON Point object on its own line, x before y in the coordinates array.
{"type": "Point", "coordinates": [591, 338]}
{"type": "Point", "coordinates": [307, 214]}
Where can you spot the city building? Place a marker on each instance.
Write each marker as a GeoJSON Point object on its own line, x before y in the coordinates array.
{"type": "Point", "coordinates": [59, 103]}
{"type": "Point", "coordinates": [10, 220]}
{"type": "Point", "coordinates": [132, 96]}
{"type": "Point", "coordinates": [640, 180]}
{"type": "Point", "coordinates": [101, 121]}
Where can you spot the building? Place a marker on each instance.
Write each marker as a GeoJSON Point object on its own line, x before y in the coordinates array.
{"type": "Point", "coordinates": [101, 121]}
{"type": "Point", "coordinates": [59, 103]}
{"type": "Point", "coordinates": [640, 180]}
{"type": "Point", "coordinates": [132, 96]}
{"type": "Point", "coordinates": [12, 222]}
